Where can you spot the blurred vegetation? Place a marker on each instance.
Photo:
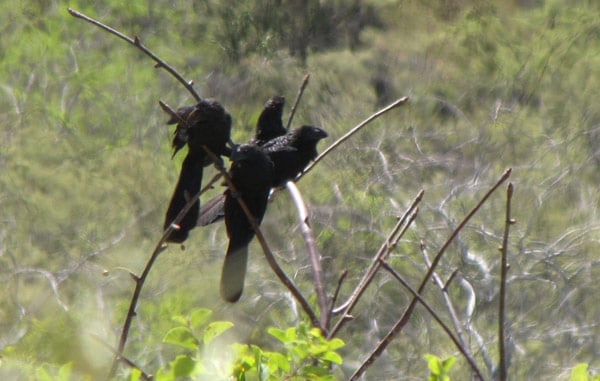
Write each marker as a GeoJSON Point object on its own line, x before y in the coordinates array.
{"type": "Point", "coordinates": [86, 174]}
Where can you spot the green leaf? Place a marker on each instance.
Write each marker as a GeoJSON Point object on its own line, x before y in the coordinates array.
{"type": "Point", "coordinates": [332, 356]}
{"type": "Point", "coordinates": [42, 375]}
{"type": "Point", "coordinates": [278, 334]}
{"type": "Point", "coordinates": [64, 373]}
{"type": "Point", "coordinates": [135, 374]}
{"type": "Point", "coordinates": [199, 317]}
{"type": "Point", "coordinates": [214, 330]}
{"type": "Point", "coordinates": [579, 373]}
{"type": "Point", "coordinates": [447, 364]}
{"type": "Point", "coordinates": [182, 337]}
{"type": "Point", "coordinates": [182, 320]}
{"type": "Point", "coordinates": [336, 343]}
{"type": "Point", "coordinates": [183, 366]}
{"type": "Point", "coordinates": [277, 362]}
{"type": "Point", "coordinates": [433, 363]}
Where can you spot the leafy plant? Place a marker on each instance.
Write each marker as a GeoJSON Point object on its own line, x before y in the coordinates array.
{"type": "Point", "coordinates": [438, 368]}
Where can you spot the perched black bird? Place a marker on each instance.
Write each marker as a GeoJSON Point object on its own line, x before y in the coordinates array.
{"type": "Point", "coordinates": [292, 152]}
{"type": "Point", "coordinates": [251, 174]}
{"type": "Point", "coordinates": [206, 123]}
{"type": "Point", "coordinates": [268, 126]}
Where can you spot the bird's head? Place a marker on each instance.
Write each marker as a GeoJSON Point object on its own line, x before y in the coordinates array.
{"type": "Point", "coordinates": [310, 133]}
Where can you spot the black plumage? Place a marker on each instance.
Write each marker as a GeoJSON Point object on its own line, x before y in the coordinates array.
{"type": "Point", "coordinates": [206, 123]}
{"type": "Point", "coordinates": [292, 152]}
{"type": "Point", "coordinates": [190, 179]}
{"type": "Point", "coordinates": [251, 174]}
{"type": "Point", "coordinates": [268, 126]}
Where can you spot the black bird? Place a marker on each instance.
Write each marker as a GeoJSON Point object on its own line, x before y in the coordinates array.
{"type": "Point", "coordinates": [268, 126]}
{"type": "Point", "coordinates": [292, 152]}
{"type": "Point", "coordinates": [206, 123]}
{"type": "Point", "coordinates": [251, 174]}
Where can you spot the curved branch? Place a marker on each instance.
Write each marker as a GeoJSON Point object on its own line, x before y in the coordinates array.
{"type": "Point", "coordinates": [189, 85]}
{"type": "Point", "coordinates": [348, 134]}
{"type": "Point", "coordinates": [313, 253]}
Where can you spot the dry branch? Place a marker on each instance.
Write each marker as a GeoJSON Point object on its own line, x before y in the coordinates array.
{"type": "Point", "coordinates": [397, 328]}
{"type": "Point", "coordinates": [392, 238]}
{"type": "Point", "coordinates": [189, 85]}
{"type": "Point", "coordinates": [503, 271]}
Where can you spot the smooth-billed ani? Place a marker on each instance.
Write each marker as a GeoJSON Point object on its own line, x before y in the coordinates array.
{"type": "Point", "coordinates": [251, 174]}
{"type": "Point", "coordinates": [206, 123]}
{"type": "Point", "coordinates": [268, 126]}
{"type": "Point", "coordinates": [292, 152]}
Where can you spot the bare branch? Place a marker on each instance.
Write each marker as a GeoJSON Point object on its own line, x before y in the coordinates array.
{"type": "Point", "coordinates": [123, 359]}
{"type": "Point", "coordinates": [189, 85]}
{"type": "Point", "coordinates": [397, 328]}
{"type": "Point", "coordinates": [375, 263]}
{"type": "Point", "coordinates": [503, 272]}
{"type": "Point", "coordinates": [348, 134]}
{"type": "Point", "coordinates": [460, 346]}
{"type": "Point", "coordinates": [297, 101]}
{"type": "Point", "coordinates": [313, 253]}
{"type": "Point", "coordinates": [337, 292]}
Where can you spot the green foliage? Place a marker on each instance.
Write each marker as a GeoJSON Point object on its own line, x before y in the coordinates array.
{"type": "Point", "coordinates": [580, 373]}
{"type": "Point", "coordinates": [306, 354]}
{"type": "Point", "coordinates": [86, 174]}
{"type": "Point", "coordinates": [438, 368]}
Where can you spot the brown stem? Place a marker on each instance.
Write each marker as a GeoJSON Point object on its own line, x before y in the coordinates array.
{"type": "Point", "coordinates": [375, 264]}
{"type": "Point", "coordinates": [189, 85]}
{"type": "Point", "coordinates": [457, 343]}
{"type": "Point", "coordinates": [503, 272]}
{"type": "Point", "coordinates": [357, 128]}
{"type": "Point", "coordinates": [397, 328]}
{"type": "Point", "coordinates": [297, 101]}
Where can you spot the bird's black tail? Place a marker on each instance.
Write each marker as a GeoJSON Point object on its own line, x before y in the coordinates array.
{"type": "Point", "coordinates": [189, 183]}
{"type": "Point", "coordinates": [234, 272]}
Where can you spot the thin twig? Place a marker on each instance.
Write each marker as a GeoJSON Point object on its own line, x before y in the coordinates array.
{"type": "Point", "coordinates": [447, 301]}
{"type": "Point", "coordinates": [313, 253]}
{"type": "Point", "coordinates": [348, 134]}
{"type": "Point", "coordinates": [457, 343]}
{"type": "Point", "coordinates": [375, 264]}
{"type": "Point", "coordinates": [298, 96]}
{"type": "Point", "coordinates": [503, 272]}
{"type": "Point", "coordinates": [189, 85]}
{"type": "Point", "coordinates": [140, 280]}
{"type": "Point", "coordinates": [123, 359]}
{"type": "Point", "coordinates": [406, 316]}
{"type": "Point", "coordinates": [337, 292]}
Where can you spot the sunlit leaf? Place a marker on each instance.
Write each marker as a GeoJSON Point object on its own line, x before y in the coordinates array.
{"type": "Point", "coordinates": [181, 336]}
